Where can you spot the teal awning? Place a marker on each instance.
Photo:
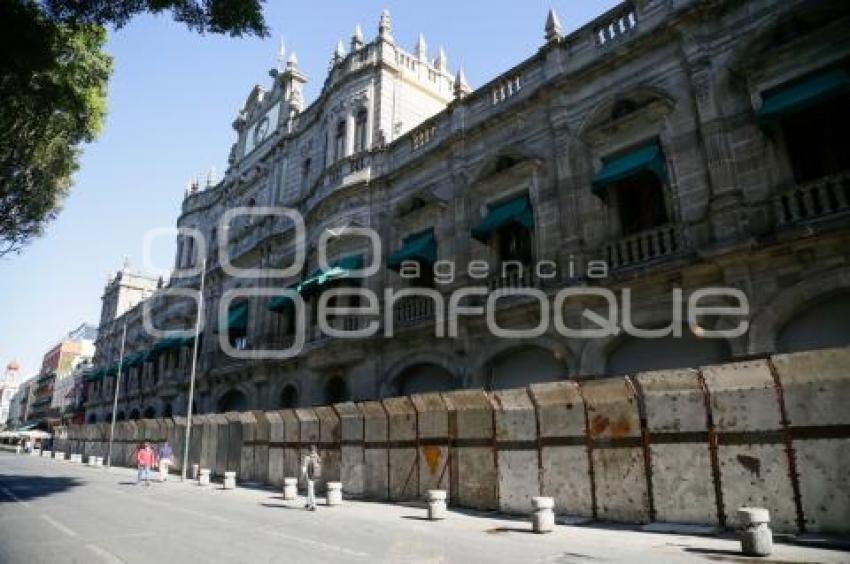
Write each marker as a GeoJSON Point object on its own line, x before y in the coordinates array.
{"type": "Point", "coordinates": [648, 158]}
{"type": "Point", "coordinates": [421, 247]}
{"type": "Point", "coordinates": [166, 344]}
{"type": "Point", "coordinates": [810, 91]}
{"type": "Point", "coordinates": [237, 318]}
{"type": "Point", "coordinates": [279, 304]}
{"type": "Point", "coordinates": [339, 270]}
{"type": "Point", "coordinates": [95, 375]}
{"type": "Point", "coordinates": [517, 210]}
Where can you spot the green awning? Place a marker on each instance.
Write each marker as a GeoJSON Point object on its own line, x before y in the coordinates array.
{"type": "Point", "coordinates": [815, 89]}
{"type": "Point", "coordinates": [279, 304]}
{"type": "Point", "coordinates": [136, 358]}
{"type": "Point", "coordinates": [95, 375]}
{"type": "Point", "coordinates": [648, 158]}
{"type": "Point", "coordinates": [517, 210]}
{"type": "Point", "coordinates": [421, 247]}
{"type": "Point", "coordinates": [339, 270]}
{"type": "Point", "coordinates": [237, 318]}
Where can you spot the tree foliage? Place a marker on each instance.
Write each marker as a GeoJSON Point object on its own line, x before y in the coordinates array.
{"type": "Point", "coordinates": [53, 79]}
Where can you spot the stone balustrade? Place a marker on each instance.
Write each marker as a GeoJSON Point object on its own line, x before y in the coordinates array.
{"type": "Point", "coordinates": [645, 246]}
{"type": "Point", "coordinates": [814, 200]}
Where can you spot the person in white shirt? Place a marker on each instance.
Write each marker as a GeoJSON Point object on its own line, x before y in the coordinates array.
{"type": "Point", "coordinates": [311, 470]}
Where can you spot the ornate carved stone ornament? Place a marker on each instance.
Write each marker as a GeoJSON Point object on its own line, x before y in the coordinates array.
{"type": "Point", "coordinates": [638, 108]}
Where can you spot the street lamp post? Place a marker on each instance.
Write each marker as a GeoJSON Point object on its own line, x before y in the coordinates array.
{"type": "Point", "coordinates": [190, 407]}
{"type": "Point", "coordinates": [115, 397]}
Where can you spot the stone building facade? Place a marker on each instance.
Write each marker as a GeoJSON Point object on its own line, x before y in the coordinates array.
{"type": "Point", "coordinates": [669, 144]}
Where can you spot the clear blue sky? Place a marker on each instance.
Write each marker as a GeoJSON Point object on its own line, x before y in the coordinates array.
{"type": "Point", "coordinates": [172, 97]}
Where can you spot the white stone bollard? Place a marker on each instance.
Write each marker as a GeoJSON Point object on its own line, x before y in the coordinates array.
{"type": "Point", "coordinates": [204, 477]}
{"type": "Point", "coordinates": [333, 493]}
{"type": "Point", "coordinates": [755, 534]}
{"type": "Point", "coordinates": [75, 457]}
{"type": "Point", "coordinates": [47, 453]}
{"type": "Point", "coordinates": [543, 518]}
{"type": "Point", "coordinates": [195, 469]}
{"type": "Point", "coordinates": [59, 455]}
{"type": "Point", "coordinates": [229, 481]}
{"type": "Point", "coordinates": [98, 461]}
{"type": "Point", "coordinates": [33, 452]}
{"type": "Point", "coordinates": [92, 461]}
{"type": "Point", "coordinates": [436, 504]}
{"type": "Point", "coordinates": [290, 489]}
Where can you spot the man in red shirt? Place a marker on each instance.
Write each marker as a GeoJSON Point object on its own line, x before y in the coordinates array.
{"type": "Point", "coordinates": [145, 458]}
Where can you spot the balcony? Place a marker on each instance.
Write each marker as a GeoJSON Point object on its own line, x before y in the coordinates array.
{"type": "Point", "coordinates": [411, 310]}
{"type": "Point", "coordinates": [349, 169]}
{"type": "Point", "coordinates": [645, 246]}
{"type": "Point", "coordinates": [512, 278]}
{"type": "Point", "coordinates": [821, 199]}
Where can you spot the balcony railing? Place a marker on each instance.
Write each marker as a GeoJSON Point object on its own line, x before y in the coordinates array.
{"type": "Point", "coordinates": [645, 246]}
{"type": "Point", "coordinates": [512, 278]}
{"type": "Point", "coordinates": [814, 200]}
{"type": "Point", "coordinates": [352, 164]}
{"type": "Point", "coordinates": [413, 309]}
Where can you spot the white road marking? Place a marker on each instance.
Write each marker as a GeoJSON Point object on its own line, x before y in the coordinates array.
{"type": "Point", "coordinates": [319, 544]}
{"type": "Point", "coordinates": [13, 497]}
{"type": "Point", "coordinates": [59, 525]}
{"type": "Point", "coordinates": [104, 554]}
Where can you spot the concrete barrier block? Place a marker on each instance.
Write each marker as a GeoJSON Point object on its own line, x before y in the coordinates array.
{"type": "Point", "coordinates": [753, 462]}
{"type": "Point", "coordinates": [248, 424]}
{"type": "Point", "coordinates": [816, 389]}
{"type": "Point", "coordinates": [308, 424]}
{"type": "Point", "coordinates": [375, 438]}
{"type": "Point", "coordinates": [352, 458]}
{"type": "Point", "coordinates": [433, 416]}
{"type": "Point", "coordinates": [516, 449]}
{"type": "Point", "coordinates": [683, 484]}
{"type": "Point", "coordinates": [404, 471]}
{"type": "Point", "coordinates": [177, 438]}
{"type": "Point", "coordinates": [565, 468]}
{"type": "Point", "coordinates": [618, 465]}
{"type": "Point", "coordinates": [275, 473]}
{"type": "Point", "coordinates": [292, 441]}
{"type": "Point", "coordinates": [329, 443]}
{"type": "Point", "coordinates": [474, 478]}
{"type": "Point", "coordinates": [216, 429]}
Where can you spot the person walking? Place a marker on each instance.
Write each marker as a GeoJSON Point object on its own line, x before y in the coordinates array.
{"type": "Point", "coordinates": [166, 458]}
{"type": "Point", "coordinates": [145, 458]}
{"type": "Point", "coordinates": [311, 470]}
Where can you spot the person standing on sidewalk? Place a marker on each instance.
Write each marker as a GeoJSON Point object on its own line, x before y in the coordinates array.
{"type": "Point", "coordinates": [166, 457]}
{"type": "Point", "coordinates": [145, 457]}
{"type": "Point", "coordinates": [311, 470]}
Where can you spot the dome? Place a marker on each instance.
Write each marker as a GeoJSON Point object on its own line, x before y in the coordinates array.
{"type": "Point", "coordinates": [14, 365]}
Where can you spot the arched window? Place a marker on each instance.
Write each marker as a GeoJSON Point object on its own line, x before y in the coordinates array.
{"type": "Point", "coordinates": [168, 411]}
{"type": "Point", "coordinates": [92, 418]}
{"type": "Point", "coordinates": [336, 391]}
{"type": "Point", "coordinates": [121, 416]}
{"type": "Point", "coordinates": [339, 140]}
{"type": "Point", "coordinates": [233, 400]}
{"type": "Point", "coordinates": [150, 412]}
{"type": "Point", "coordinates": [423, 378]}
{"type": "Point", "coordinates": [134, 414]}
{"type": "Point", "coordinates": [360, 131]}
{"type": "Point", "coordinates": [289, 397]}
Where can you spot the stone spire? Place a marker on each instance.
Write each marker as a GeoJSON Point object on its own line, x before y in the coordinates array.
{"type": "Point", "coordinates": [461, 87]}
{"type": "Point", "coordinates": [212, 177]}
{"type": "Point", "coordinates": [384, 27]}
{"type": "Point", "coordinates": [292, 61]}
{"type": "Point", "coordinates": [421, 50]}
{"type": "Point", "coordinates": [339, 54]}
{"type": "Point", "coordinates": [281, 54]}
{"type": "Point", "coordinates": [554, 31]}
{"type": "Point", "coordinates": [441, 63]}
{"type": "Point", "coordinates": [356, 38]}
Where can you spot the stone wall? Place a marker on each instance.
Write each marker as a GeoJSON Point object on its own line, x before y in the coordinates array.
{"type": "Point", "coordinates": [678, 446]}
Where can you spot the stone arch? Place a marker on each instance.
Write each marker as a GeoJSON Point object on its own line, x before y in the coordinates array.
{"type": "Point", "coordinates": [821, 323]}
{"type": "Point", "coordinates": [787, 304]}
{"type": "Point", "coordinates": [289, 396]}
{"type": "Point", "coordinates": [335, 390]}
{"type": "Point", "coordinates": [629, 355]}
{"type": "Point", "coordinates": [422, 378]}
{"type": "Point", "coordinates": [558, 352]}
{"type": "Point", "coordinates": [640, 97]}
{"type": "Point", "coordinates": [233, 399]}
{"type": "Point", "coordinates": [168, 410]}
{"type": "Point", "coordinates": [150, 412]}
{"type": "Point", "coordinates": [134, 415]}
{"type": "Point", "coordinates": [502, 159]}
{"type": "Point", "coordinates": [446, 362]}
{"type": "Point", "coordinates": [121, 416]}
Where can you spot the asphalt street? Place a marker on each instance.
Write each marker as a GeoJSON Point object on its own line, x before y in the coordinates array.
{"type": "Point", "coordinates": [59, 512]}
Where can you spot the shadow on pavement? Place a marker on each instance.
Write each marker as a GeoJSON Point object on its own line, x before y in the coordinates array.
{"type": "Point", "coordinates": [31, 487]}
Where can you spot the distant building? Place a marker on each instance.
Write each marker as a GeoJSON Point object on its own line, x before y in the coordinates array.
{"type": "Point", "coordinates": [8, 387]}
{"type": "Point", "coordinates": [59, 364]}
